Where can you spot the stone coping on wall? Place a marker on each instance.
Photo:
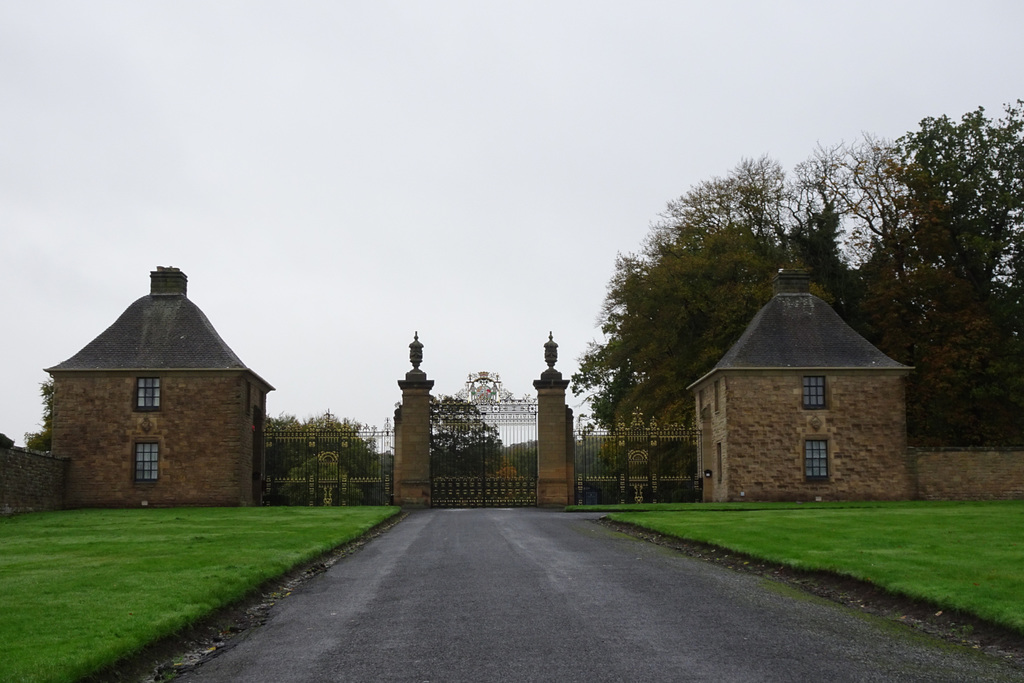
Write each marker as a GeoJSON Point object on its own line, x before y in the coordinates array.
{"type": "Point", "coordinates": [918, 450]}
{"type": "Point", "coordinates": [32, 451]}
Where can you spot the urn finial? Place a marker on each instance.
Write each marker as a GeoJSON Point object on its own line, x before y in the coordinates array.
{"type": "Point", "coordinates": [416, 351]}
{"type": "Point", "coordinates": [550, 352]}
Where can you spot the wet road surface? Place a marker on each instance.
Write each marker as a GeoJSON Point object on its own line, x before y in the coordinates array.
{"type": "Point", "coordinates": [536, 595]}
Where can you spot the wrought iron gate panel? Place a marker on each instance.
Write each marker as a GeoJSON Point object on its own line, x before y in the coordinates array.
{"type": "Point", "coordinates": [638, 463]}
{"type": "Point", "coordinates": [483, 447]}
{"type": "Point", "coordinates": [326, 468]}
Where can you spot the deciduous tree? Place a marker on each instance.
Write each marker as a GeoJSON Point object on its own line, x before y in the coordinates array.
{"type": "Point", "coordinates": [673, 309]}
{"type": "Point", "coordinates": [461, 439]}
{"type": "Point", "coordinates": [959, 298]}
{"type": "Point", "coordinates": [43, 439]}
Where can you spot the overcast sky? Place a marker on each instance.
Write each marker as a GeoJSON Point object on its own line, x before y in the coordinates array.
{"type": "Point", "coordinates": [333, 176]}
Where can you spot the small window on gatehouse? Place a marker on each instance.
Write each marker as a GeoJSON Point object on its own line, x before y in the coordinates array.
{"type": "Point", "coordinates": [816, 460]}
{"type": "Point", "coordinates": [814, 392]}
{"type": "Point", "coordinates": [147, 393]}
{"type": "Point", "coordinates": [147, 460]}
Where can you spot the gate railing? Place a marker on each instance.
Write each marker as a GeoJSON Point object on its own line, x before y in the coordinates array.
{"type": "Point", "coordinates": [639, 462]}
{"type": "Point", "coordinates": [326, 468]}
{"type": "Point", "coordinates": [483, 454]}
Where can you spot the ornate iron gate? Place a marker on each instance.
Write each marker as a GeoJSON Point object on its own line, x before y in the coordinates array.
{"type": "Point", "coordinates": [483, 447]}
{"type": "Point", "coordinates": [337, 467]}
{"type": "Point", "coordinates": [638, 463]}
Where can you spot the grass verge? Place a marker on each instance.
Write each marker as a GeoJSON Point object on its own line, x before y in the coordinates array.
{"type": "Point", "coordinates": [83, 589]}
{"type": "Point", "coordinates": [961, 556]}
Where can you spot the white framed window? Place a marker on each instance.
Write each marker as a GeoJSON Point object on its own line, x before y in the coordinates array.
{"type": "Point", "coordinates": [814, 392]}
{"type": "Point", "coordinates": [816, 459]}
{"type": "Point", "coordinates": [147, 393]}
{"type": "Point", "coordinates": [147, 461]}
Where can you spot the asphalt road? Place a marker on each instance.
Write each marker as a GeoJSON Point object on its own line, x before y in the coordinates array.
{"type": "Point", "coordinates": [534, 595]}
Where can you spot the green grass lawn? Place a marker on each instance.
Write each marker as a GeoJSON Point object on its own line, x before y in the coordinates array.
{"type": "Point", "coordinates": [82, 589]}
{"type": "Point", "coordinates": [965, 556]}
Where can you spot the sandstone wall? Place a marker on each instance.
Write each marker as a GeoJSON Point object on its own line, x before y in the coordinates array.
{"type": "Point", "coordinates": [204, 428]}
{"type": "Point", "coordinates": [968, 473]}
{"type": "Point", "coordinates": [30, 481]}
{"type": "Point", "coordinates": [762, 427]}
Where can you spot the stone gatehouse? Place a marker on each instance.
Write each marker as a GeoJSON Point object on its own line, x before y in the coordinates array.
{"type": "Point", "coordinates": [158, 410]}
{"type": "Point", "coordinates": [802, 408]}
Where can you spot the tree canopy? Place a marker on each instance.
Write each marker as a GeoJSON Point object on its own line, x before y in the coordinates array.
{"type": "Point", "coordinates": [461, 439]}
{"type": "Point", "coordinates": [917, 243]}
{"type": "Point", "coordinates": [43, 439]}
{"type": "Point", "coordinates": [318, 422]}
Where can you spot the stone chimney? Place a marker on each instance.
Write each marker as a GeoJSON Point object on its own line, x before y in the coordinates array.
{"type": "Point", "coordinates": [168, 280]}
{"type": "Point", "coordinates": [791, 282]}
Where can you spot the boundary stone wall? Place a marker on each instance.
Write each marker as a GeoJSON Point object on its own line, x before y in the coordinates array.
{"type": "Point", "coordinates": [31, 481]}
{"type": "Point", "coordinates": [968, 473]}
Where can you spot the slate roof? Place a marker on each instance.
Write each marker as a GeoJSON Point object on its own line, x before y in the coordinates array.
{"type": "Point", "coordinates": [802, 331]}
{"type": "Point", "coordinates": [158, 331]}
